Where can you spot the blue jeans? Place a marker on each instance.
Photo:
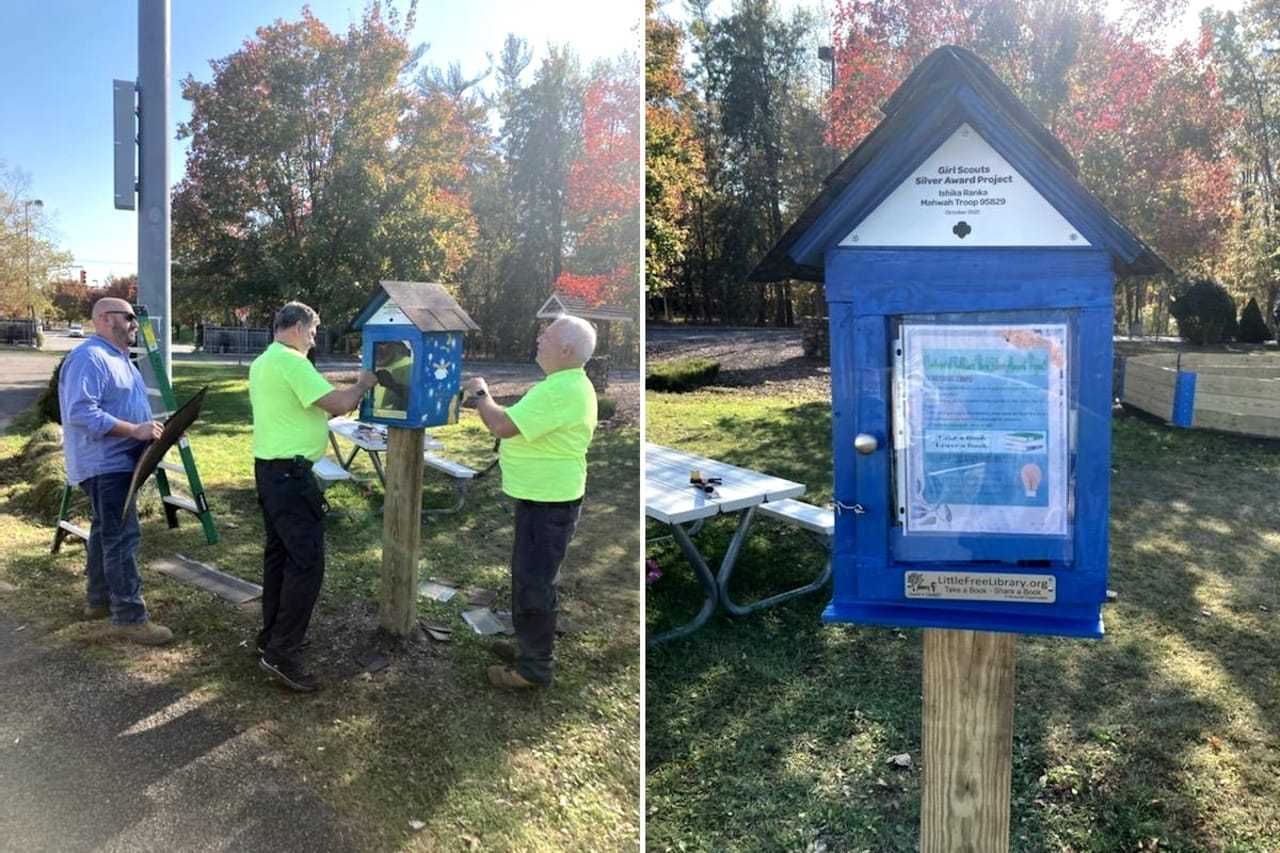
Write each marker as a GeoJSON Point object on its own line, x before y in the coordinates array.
{"type": "Point", "coordinates": [112, 571]}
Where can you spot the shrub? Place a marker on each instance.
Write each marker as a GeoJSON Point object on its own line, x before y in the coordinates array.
{"type": "Point", "coordinates": [44, 475]}
{"type": "Point", "coordinates": [1205, 312]}
{"type": "Point", "coordinates": [47, 405]}
{"type": "Point", "coordinates": [606, 408]}
{"type": "Point", "coordinates": [686, 374]}
{"type": "Point", "coordinates": [1253, 330]}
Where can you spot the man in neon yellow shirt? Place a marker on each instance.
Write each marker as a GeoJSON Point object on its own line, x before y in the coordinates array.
{"type": "Point", "coordinates": [545, 437]}
{"type": "Point", "coordinates": [292, 404]}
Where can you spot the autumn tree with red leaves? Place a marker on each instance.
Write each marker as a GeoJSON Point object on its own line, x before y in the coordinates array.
{"type": "Point", "coordinates": [603, 201]}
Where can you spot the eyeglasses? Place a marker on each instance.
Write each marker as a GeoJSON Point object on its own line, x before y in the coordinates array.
{"type": "Point", "coordinates": [128, 316]}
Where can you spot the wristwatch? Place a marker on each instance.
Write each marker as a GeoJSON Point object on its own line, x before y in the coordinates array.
{"type": "Point", "coordinates": [480, 393]}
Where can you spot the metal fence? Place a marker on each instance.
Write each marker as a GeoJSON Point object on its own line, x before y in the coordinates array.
{"type": "Point", "coordinates": [15, 331]}
{"type": "Point", "coordinates": [249, 341]}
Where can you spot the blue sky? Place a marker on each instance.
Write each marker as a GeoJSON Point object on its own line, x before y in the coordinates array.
{"type": "Point", "coordinates": [60, 56]}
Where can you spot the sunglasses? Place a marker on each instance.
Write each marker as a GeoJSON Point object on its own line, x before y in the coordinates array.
{"type": "Point", "coordinates": [128, 315]}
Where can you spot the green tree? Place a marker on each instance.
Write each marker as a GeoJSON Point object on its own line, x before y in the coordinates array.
{"type": "Point", "coordinates": [540, 138]}
{"type": "Point", "coordinates": [1249, 74]}
{"type": "Point", "coordinates": [1204, 310]}
{"type": "Point", "coordinates": [674, 170]}
{"type": "Point", "coordinates": [755, 71]}
{"type": "Point", "coordinates": [317, 169]}
{"type": "Point", "coordinates": [29, 255]}
{"type": "Point", "coordinates": [1252, 329]}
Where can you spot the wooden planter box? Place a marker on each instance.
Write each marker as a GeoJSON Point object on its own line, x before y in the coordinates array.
{"type": "Point", "coordinates": [1230, 393]}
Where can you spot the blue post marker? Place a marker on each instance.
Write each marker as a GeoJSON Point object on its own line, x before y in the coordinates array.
{"type": "Point", "coordinates": [969, 279]}
{"type": "Point", "coordinates": [1184, 399]}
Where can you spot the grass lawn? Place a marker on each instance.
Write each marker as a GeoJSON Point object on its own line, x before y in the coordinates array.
{"type": "Point", "coordinates": [427, 739]}
{"type": "Point", "coordinates": [771, 732]}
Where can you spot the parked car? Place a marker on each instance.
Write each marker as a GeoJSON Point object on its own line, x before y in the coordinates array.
{"type": "Point", "coordinates": [75, 331]}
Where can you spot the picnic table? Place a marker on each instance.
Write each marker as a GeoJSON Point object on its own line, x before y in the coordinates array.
{"type": "Point", "coordinates": [671, 499]}
{"type": "Point", "coordinates": [370, 438]}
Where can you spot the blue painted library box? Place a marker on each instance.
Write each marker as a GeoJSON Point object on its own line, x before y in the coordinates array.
{"type": "Point", "coordinates": [969, 283]}
{"type": "Point", "coordinates": [412, 340]}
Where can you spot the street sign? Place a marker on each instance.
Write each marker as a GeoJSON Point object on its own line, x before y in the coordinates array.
{"type": "Point", "coordinates": [126, 174]}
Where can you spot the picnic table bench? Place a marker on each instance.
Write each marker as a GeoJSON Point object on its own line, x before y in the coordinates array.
{"type": "Point", "coordinates": [671, 499]}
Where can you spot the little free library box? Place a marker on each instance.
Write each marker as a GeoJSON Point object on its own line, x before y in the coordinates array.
{"type": "Point", "coordinates": [969, 280]}
{"type": "Point", "coordinates": [412, 339]}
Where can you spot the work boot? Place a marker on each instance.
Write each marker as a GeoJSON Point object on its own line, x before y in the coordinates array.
{"type": "Point", "coordinates": [91, 612]}
{"type": "Point", "coordinates": [143, 633]}
{"type": "Point", "coordinates": [503, 650]}
{"type": "Point", "coordinates": [507, 678]}
{"type": "Point", "coordinates": [290, 675]}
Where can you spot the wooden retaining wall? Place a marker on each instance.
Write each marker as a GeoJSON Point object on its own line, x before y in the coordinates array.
{"type": "Point", "coordinates": [1231, 393]}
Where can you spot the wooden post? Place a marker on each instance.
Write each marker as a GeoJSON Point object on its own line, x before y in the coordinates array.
{"type": "Point", "coordinates": [968, 741]}
{"type": "Point", "coordinates": [401, 530]}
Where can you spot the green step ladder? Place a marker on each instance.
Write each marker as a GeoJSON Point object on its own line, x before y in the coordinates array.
{"type": "Point", "coordinates": [197, 504]}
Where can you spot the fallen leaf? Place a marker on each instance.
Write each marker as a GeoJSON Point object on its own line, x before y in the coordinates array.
{"type": "Point", "coordinates": [416, 825]}
{"type": "Point", "coordinates": [902, 760]}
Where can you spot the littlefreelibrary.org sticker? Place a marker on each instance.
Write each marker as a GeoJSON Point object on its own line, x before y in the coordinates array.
{"type": "Point", "coordinates": [982, 586]}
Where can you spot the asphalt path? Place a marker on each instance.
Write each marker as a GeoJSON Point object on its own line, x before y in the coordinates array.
{"type": "Point", "coordinates": [23, 375]}
{"type": "Point", "coordinates": [92, 758]}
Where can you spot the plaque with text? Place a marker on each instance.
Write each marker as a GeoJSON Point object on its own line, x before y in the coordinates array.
{"type": "Point", "coordinates": [965, 194]}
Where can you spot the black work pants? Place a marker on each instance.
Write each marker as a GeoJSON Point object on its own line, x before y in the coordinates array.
{"type": "Point", "coordinates": [293, 556]}
{"type": "Point", "coordinates": [543, 531]}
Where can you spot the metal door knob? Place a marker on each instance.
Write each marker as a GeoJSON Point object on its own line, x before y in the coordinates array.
{"type": "Point", "coordinates": [865, 443]}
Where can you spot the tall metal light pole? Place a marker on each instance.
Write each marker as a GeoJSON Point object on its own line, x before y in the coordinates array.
{"type": "Point", "coordinates": [153, 163]}
{"type": "Point", "coordinates": [26, 213]}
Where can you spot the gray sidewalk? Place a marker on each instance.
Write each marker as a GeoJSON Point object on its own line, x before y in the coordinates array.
{"type": "Point", "coordinates": [92, 759]}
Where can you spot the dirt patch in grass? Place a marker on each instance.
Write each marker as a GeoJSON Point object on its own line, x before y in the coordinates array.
{"type": "Point", "coordinates": [751, 360]}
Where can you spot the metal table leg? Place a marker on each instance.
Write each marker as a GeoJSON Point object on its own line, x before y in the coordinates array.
{"type": "Point", "coordinates": [377, 466]}
{"type": "Point", "coordinates": [708, 588]}
{"type": "Point", "coordinates": [726, 571]}
{"type": "Point", "coordinates": [460, 497]}
{"type": "Point", "coordinates": [351, 457]}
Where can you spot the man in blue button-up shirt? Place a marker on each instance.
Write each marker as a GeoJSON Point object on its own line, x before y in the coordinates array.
{"type": "Point", "coordinates": [106, 424]}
